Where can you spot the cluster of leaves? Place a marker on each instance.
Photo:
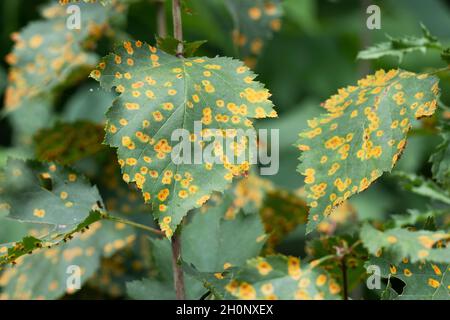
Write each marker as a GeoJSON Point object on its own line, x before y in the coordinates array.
{"type": "Point", "coordinates": [52, 217]}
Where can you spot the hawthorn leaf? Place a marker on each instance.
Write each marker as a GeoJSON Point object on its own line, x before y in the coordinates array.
{"type": "Point", "coordinates": [398, 47]}
{"type": "Point", "coordinates": [423, 280]}
{"type": "Point", "coordinates": [400, 243]}
{"type": "Point", "coordinates": [159, 94]}
{"type": "Point", "coordinates": [47, 193]}
{"type": "Point", "coordinates": [47, 53]}
{"type": "Point", "coordinates": [43, 275]}
{"type": "Point", "coordinates": [362, 135]}
{"type": "Point", "coordinates": [269, 278]}
{"type": "Point", "coordinates": [255, 21]}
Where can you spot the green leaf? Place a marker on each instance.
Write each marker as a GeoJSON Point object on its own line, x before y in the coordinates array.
{"type": "Point", "coordinates": [47, 54]}
{"type": "Point", "coordinates": [161, 93]}
{"type": "Point", "coordinates": [423, 281]}
{"type": "Point", "coordinates": [79, 106]}
{"type": "Point", "coordinates": [26, 122]}
{"type": "Point", "coordinates": [423, 187]}
{"type": "Point", "coordinates": [241, 230]}
{"type": "Point", "coordinates": [47, 193]}
{"type": "Point", "coordinates": [362, 135]}
{"type": "Point", "coordinates": [441, 159]}
{"type": "Point", "coordinates": [400, 46]}
{"type": "Point", "coordinates": [68, 143]}
{"type": "Point", "coordinates": [400, 243]}
{"type": "Point", "coordinates": [269, 278]}
{"type": "Point", "coordinates": [255, 21]}
{"type": "Point", "coordinates": [170, 45]}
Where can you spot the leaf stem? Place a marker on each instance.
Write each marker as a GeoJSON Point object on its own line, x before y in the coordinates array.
{"type": "Point", "coordinates": [177, 26]}
{"type": "Point", "coordinates": [344, 277]}
{"type": "Point", "coordinates": [135, 224]}
{"type": "Point", "coordinates": [447, 68]}
{"type": "Point", "coordinates": [178, 275]}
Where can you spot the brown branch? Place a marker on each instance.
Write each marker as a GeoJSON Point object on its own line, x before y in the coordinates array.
{"type": "Point", "coordinates": [177, 25]}
{"type": "Point", "coordinates": [178, 276]}
{"type": "Point", "coordinates": [161, 18]}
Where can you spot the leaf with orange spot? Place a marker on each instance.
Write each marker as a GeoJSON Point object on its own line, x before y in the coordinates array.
{"type": "Point", "coordinates": [423, 280]}
{"type": "Point", "coordinates": [255, 21]}
{"type": "Point", "coordinates": [269, 278]}
{"type": "Point", "coordinates": [362, 135]}
{"type": "Point", "coordinates": [160, 94]}
{"type": "Point", "coordinates": [47, 54]}
{"type": "Point", "coordinates": [44, 274]}
{"type": "Point", "coordinates": [399, 243]}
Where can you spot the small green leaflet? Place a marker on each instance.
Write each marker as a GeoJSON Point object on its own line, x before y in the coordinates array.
{"type": "Point", "coordinates": [400, 243]}
{"type": "Point", "coordinates": [254, 24]}
{"type": "Point", "coordinates": [362, 135]}
{"type": "Point", "coordinates": [170, 45]}
{"type": "Point", "coordinates": [271, 278]}
{"type": "Point", "coordinates": [159, 94]}
{"type": "Point", "coordinates": [400, 46]}
{"type": "Point", "coordinates": [423, 281]}
{"type": "Point", "coordinates": [46, 53]}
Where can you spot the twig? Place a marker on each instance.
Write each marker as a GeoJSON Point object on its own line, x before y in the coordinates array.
{"type": "Point", "coordinates": [177, 26]}
{"type": "Point", "coordinates": [161, 18]}
{"type": "Point", "coordinates": [135, 224]}
{"type": "Point", "coordinates": [178, 276]}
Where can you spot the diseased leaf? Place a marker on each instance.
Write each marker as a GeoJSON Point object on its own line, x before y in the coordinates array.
{"type": "Point", "coordinates": [48, 54]}
{"type": "Point", "coordinates": [44, 274]}
{"type": "Point", "coordinates": [400, 46]}
{"type": "Point", "coordinates": [161, 93]}
{"type": "Point", "coordinates": [398, 243]}
{"type": "Point", "coordinates": [271, 278]}
{"type": "Point", "coordinates": [423, 281]}
{"type": "Point", "coordinates": [47, 193]}
{"type": "Point", "coordinates": [362, 135]}
{"type": "Point", "coordinates": [254, 24]}
{"type": "Point", "coordinates": [68, 143]}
